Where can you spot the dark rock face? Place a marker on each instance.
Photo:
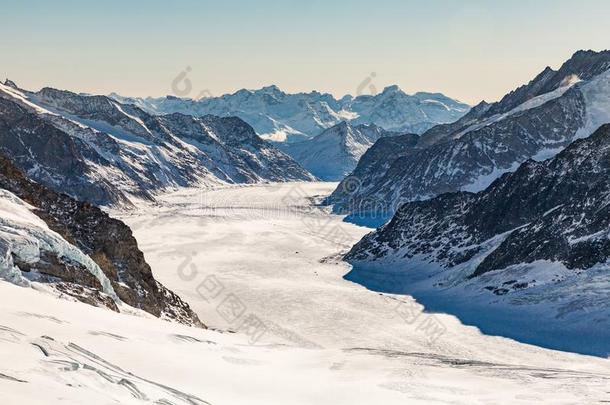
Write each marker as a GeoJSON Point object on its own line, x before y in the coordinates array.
{"type": "Point", "coordinates": [554, 210]}
{"type": "Point", "coordinates": [377, 159]}
{"type": "Point", "coordinates": [107, 241]}
{"type": "Point", "coordinates": [98, 150]}
{"type": "Point", "coordinates": [51, 156]}
{"type": "Point", "coordinates": [533, 122]}
{"type": "Point", "coordinates": [425, 172]}
{"type": "Point", "coordinates": [440, 133]}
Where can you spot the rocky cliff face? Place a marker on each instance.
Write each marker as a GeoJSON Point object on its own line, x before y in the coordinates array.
{"type": "Point", "coordinates": [98, 150]}
{"type": "Point", "coordinates": [534, 122]}
{"type": "Point", "coordinates": [526, 256]}
{"type": "Point", "coordinates": [79, 250]}
{"type": "Point", "coordinates": [556, 210]}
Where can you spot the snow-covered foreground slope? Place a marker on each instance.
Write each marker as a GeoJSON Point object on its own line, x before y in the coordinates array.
{"type": "Point", "coordinates": [326, 341]}
{"type": "Point", "coordinates": [27, 238]}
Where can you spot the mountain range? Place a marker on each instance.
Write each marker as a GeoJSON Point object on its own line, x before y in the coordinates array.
{"type": "Point", "coordinates": [284, 117]}
{"type": "Point", "coordinates": [76, 250]}
{"type": "Point", "coordinates": [501, 217]}
{"type": "Point", "coordinates": [534, 244]}
{"type": "Point", "coordinates": [98, 150]}
{"type": "Point", "coordinates": [62, 154]}
{"type": "Point", "coordinates": [503, 208]}
{"type": "Point", "coordinates": [535, 121]}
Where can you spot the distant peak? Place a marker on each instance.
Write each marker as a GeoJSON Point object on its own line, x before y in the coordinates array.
{"type": "Point", "coordinates": [10, 83]}
{"type": "Point", "coordinates": [271, 89]}
{"type": "Point", "coordinates": [587, 56]}
{"type": "Point", "coordinates": [587, 52]}
{"type": "Point", "coordinates": [392, 89]}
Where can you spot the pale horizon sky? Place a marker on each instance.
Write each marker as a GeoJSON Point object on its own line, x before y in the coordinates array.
{"type": "Point", "coordinates": [470, 51]}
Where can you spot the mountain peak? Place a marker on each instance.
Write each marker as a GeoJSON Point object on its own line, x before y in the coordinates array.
{"type": "Point", "coordinates": [271, 89]}
{"type": "Point", "coordinates": [588, 52]}
{"type": "Point", "coordinates": [392, 89]}
{"type": "Point", "coordinates": [10, 83]}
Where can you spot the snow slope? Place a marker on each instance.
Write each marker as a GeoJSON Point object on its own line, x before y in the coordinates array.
{"type": "Point", "coordinates": [328, 341]}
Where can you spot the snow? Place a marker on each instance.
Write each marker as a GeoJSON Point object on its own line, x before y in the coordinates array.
{"type": "Point", "coordinates": [329, 341]}
{"type": "Point", "coordinates": [25, 235]}
{"type": "Point", "coordinates": [597, 98]}
{"type": "Point", "coordinates": [282, 117]}
{"type": "Point", "coordinates": [19, 95]}
{"type": "Point", "coordinates": [483, 181]}
{"type": "Point", "coordinates": [334, 153]}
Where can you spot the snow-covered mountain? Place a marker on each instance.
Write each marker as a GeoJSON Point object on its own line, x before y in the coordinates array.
{"type": "Point", "coordinates": [535, 121]}
{"type": "Point", "coordinates": [334, 153]}
{"type": "Point", "coordinates": [101, 151]}
{"type": "Point", "coordinates": [75, 250]}
{"type": "Point", "coordinates": [538, 237]}
{"type": "Point", "coordinates": [279, 116]}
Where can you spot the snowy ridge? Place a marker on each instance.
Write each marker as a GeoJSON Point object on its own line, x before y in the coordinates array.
{"type": "Point", "coordinates": [119, 152]}
{"type": "Point", "coordinates": [536, 121]}
{"type": "Point", "coordinates": [281, 117]}
{"type": "Point", "coordinates": [535, 242]}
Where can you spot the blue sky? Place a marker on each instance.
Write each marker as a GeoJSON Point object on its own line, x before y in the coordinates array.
{"type": "Point", "coordinates": [470, 50]}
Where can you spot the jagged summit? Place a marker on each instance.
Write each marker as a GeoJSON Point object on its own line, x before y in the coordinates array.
{"type": "Point", "coordinates": [99, 150]}
{"type": "Point", "coordinates": [535, 121]}
{"type": "Point", "coordinates": [280, 116]}
{"type": "Point", "coordinates": [392, 89]}
{"type": "Point", "coordinates": [10, 83]}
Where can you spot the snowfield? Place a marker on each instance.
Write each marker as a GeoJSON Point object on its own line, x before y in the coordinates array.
{"type": "Point", "coordinates": [261, 261]}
